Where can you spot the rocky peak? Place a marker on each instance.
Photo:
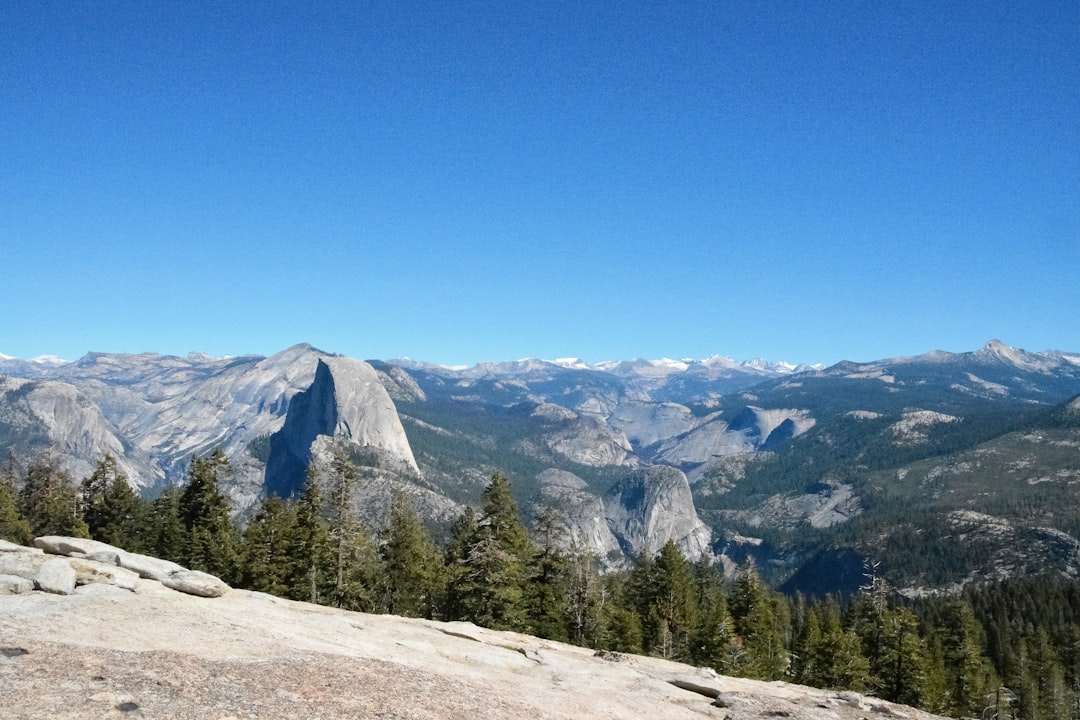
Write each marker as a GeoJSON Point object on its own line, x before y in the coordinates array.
{"type": "Point", "coordinates": [345, 402]}
{"type": "Point", "coordinates": [651, 506]}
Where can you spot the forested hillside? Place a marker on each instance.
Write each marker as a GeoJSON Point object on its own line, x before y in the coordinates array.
{"type": "Point", "coordinates": [1008, 647]}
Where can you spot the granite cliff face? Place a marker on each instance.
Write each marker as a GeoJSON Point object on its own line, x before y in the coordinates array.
{"type": "Point", "coordinates": [650, 507]}
{"type": "Point", "coordinates": [154, 412]}
{"type": "Point", "coordinates": [347, 403]}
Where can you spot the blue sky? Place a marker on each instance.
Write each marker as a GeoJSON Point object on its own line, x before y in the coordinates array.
{"type": "Point", "coordinates": [466, 181]}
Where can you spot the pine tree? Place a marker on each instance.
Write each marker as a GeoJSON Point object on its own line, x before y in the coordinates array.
{"type": "Point", "coordinates": [14, 527]}
{"type": "Point", "coordinates": [488, 582]}
{"type": "Point", "coordinates": [213, 543]}
{"type": "Point", "coordinates": [264, 556]}
{"type": "Point", "coordinates": [353, 552]}
{"type": "Point", "coordinates": [837, 656]}
{"type": "Point", "coordinates": [165, 533]}
{"type": "Point", "coordinates": [759, 626]}
{"type": "Point", "coordinates": [113, 512]}
{"type": "Point", "coordinates": [970, 675]}
{"type": "Point", "coordinates": [805, 652]}
{"type": "Point", "coordinates": [546, 598]}
{"type": "Point", "coordinates": [411, 581]}
{"type": "Point", "coordinates": [50, 502]}
{"type": "Point", "coordinates": [715, 631]}
{"type": "Point", "coordinates": [310, 575]}
{"type": "Point", "coordinates": [672, 605]}
{"type": "Point", "coordinates": [586, 597]}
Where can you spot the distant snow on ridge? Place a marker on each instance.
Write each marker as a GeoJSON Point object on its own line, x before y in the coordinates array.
{"type": "Point", "coordinates": [46, 360]}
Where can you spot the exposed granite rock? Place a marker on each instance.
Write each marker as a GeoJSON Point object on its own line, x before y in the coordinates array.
{"type": "Point", "coordinates": [14, 584]}
{"type": "Point", "coordinates": [6, 546]}
{"type": "Point", "coordinates": [194, 582]}
{"type": "Point", "coordinates": [93, 562]}
{"type": "Point", "coordinates": [650, 507]}
{"type": "Point", "coordinates": [148, 567]}
{"type": "Point", "coordinates": [581, 514]}
{"type": "Point", "coordinates": [24, 565]}
{"type": "Point", "coordinates": [79, 547]}
{"type": "Point", "coordinates": [56, 576]}
{"type": "Point", "coordinates": [105, 652]}
{"type": "Point", "coordinates": [92, 571]}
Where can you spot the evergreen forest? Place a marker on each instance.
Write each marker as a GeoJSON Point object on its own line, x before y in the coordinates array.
{"type": "Point", "coordinates": [999, 649]}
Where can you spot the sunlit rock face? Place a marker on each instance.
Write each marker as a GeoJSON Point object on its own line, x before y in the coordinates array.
{"type": "Point", "coordinates": [345, 402]}
{"type": "Point", "coordinates": [650, 507]}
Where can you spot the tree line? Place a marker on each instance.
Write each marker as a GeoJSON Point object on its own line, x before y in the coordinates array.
{"type": "Point", "coordinates": [1007, 650]}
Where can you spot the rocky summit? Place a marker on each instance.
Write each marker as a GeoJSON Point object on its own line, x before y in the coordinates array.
{"type": "Point", "coordinates": [128, 646]}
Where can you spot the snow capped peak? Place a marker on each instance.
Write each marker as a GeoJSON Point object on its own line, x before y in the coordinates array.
{"type": "Point", "coordinates": [5, 357]}
{"type": "Point", "coordinates": [781, 367]}
{"type": "Point", "coordinates": [48, 360]}
{"type": "Point", "coordinates": [677, 365]}
{"type": "Point", "coordinates": [573, 363]}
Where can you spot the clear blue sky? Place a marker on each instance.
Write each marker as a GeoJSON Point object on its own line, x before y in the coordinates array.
{"type": "Point", "coordinates": [470, 181]}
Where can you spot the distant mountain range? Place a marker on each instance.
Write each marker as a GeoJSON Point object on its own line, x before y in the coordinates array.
{"type": "Point", "coordinates": [811, 470]}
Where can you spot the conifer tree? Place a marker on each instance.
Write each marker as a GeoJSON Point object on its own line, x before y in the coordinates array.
{"type": "Point", "coordinates": [165, 534]}
{"type": "Point", "coordinates": [586, 597]}
{"type": "Point", "coordinates": [837, 656]}
{"type": "Point", "coordinates": [353, 552]}
{"type": "Point", "coordinates": [546, 589]}
{"type": "Point", "coordinates": [411, 581]}
{"type": "Point", "coordinates": [672, 604]}
{"type": "Point", "coordinates": [970, 675]}
{"type": "Point", "coordinates": [310, 572]}
{"type": "Point", "coordinates": [760, 628]}
{"type": "Point", "coordinates": [14, 527]}
{"type": "Point", "coordinates": [264, 556]}
{"type": "Point", "coordinates": [805, 653]}
{"type": "Point", "coordinates": [213, 543]}
{"type": "Point", "coordinates": [113, 512]}
{"type": "Point", "coordinates": [50, 502]}
{"type": "Point", "coordinates": [488, 583]}
{"type": "Point", "coordinates": [715, 631]}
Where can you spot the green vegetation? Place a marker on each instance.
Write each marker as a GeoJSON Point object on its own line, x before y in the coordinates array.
{"type": "Point", "coordinates": [1010, 648]}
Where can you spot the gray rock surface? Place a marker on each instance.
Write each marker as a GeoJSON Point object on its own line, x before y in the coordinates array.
{"type": "Point", "coordinates": [14, 584]}
{"type": "Point", "coordinates": [148, 567]}
{"type": "Point", "coordinates": [194, 582]}
{"type": "Point", "coordinates": [24, 565]}
{"type": "Point", "coordinates": [104, 652]}
{"type": "Point", "coordinates": [652, 506]}
{"type": "Point", "coordinates": [56, 576]}
{"type": "Point", "coordinates": [91, 571]}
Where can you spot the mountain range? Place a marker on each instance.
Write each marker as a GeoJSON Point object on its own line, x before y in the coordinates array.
{"type": "Point", "coordinates": [942, 467]}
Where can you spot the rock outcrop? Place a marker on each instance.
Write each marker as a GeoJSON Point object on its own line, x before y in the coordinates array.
{"type": "Point", "coordinates": [58, 565]}
{"type": "Point", "coordinates": [105, 651]}
{"type": "Point", "coordinates": [650, 507]}
{"type": "Point", "coordinates": [346, 402]}
{"type": "Point", "coordinates": [581, 514]}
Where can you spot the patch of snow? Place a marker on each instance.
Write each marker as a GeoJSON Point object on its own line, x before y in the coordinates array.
{"type": "Point", "coordinates": [49, 360]}
{"type": "Point", "coordinates": [571, 363]}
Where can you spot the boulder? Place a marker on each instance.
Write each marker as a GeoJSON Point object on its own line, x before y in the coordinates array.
{"type": "Point", "coordinates": [194, 582]}
{"type": "Point", "coordinates": [79, 547]}
{"type": "Point", "coordinates": [148, 567]}
{"type": "Point", "coordinates": [15, 585]}
{"type": "Point", "coordinates": [24, 565]}
{"type": "Point", "coordinates": [6, 546]}
{"type": "Point", "coordinates": [56, 576]}
{"type": "Point", "coordinates": [91, 571]}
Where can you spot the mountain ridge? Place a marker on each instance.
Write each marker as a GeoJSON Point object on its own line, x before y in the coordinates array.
{"type": "Point", "coordinates": [764, 449]}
